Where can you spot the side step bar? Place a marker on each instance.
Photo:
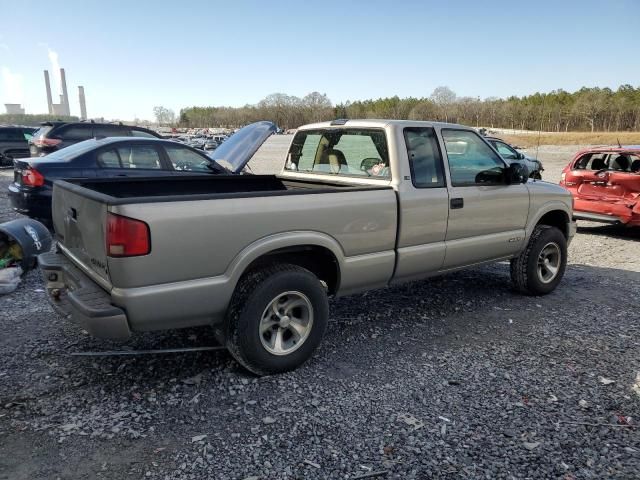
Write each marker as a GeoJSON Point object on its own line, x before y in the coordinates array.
{"type": "Point", "coordinates": [597, 217]}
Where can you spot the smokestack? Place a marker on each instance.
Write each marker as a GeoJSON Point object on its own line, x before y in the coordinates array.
{"type": "Point", "coordinates": [83, 104]}
{"type": "Point", "coordinates": [48, 87]}
{"type": "Point", "coordinates": [65, 100]}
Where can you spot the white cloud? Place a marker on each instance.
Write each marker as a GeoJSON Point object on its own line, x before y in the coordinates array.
{"type": "Point", "coordinates": [13, 92]}
{"type": "Point", "coordinates": [56, 81]}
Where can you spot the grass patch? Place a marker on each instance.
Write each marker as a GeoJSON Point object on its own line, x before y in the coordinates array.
{"type": "Point", "coordinates": [573, 138]}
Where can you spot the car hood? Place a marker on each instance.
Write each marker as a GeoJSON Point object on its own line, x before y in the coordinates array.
{"type": "Point", "coordinates": [235, 153]}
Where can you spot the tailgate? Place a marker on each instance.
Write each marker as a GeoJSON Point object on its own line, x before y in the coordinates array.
{"type": "Point", "coordinates": [79, 222]}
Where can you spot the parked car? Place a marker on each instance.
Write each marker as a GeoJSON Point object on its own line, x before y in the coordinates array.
{"type": "Point", "coordinates": [511, 155]}
{"type": "Point", "coordinates": [210, 144]}
{"type": "Point", "coordinates": [14, 143]}
{"type": "Point", "coordinates": [605, 184]}
{"type": "Point", "coordinates": [30, 193]}
{"type": "Point", "coordinates": [360, 204]}
{"type": "Point", "coordinates": [196, 142]}
{"type": "Point", "coordinates": [53, 136]}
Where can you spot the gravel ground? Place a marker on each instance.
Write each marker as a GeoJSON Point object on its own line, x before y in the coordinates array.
{"type": "Point", "coordinates": [453, 377]}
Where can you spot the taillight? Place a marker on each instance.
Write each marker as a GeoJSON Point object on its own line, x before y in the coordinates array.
{"type": "Point", "coordinates": [45, 142]}
{"type": "Point", "coordinates": [32, 178]}
{"type": "Point", "coordinates": [127, 237]}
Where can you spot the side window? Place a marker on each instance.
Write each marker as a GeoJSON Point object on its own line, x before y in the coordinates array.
{"type": "Point", "coordinates": [184, 159]}
{"type": "Point", "coordinates": [139, 156]}
{"type": "Point", "coordinates": [141, 133]}
{"type": "Point", "coordinates": [505, 150]}
{"type": "Point", "coordinates": [109, 131]}
{"type": "Point", "coordinates": [591, 161]}
{"type": "Point", "coordinates": [424, 155]}
{"type": "Point", "coordinates": [76, 133]}
{"type": "Point", "coordinates": [471, 161]}
{"type": "Point", "coordinates": [27, 134]}
{"type": "Point", "coordinates": [11, 135]}
{"type": "Point", "coordinates": [109, 159]}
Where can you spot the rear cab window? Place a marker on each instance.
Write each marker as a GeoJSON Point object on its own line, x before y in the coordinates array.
{"type": "Point", "coordinates": [360, 152]}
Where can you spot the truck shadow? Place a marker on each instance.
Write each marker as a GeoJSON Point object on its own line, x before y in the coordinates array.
{"type": "Point", "coordinates": [436, 310]}
{"type": "Point", "coordinates": [615, 231]}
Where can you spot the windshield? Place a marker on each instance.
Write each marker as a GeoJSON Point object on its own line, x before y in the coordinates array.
{"type": "Point", "coordinates": [340, 151]}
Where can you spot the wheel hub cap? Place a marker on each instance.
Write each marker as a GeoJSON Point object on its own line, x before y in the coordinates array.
{"type": "Point", "coordinates": [286, 323]}
{"type": "Point", "coordinates": [549, 262]}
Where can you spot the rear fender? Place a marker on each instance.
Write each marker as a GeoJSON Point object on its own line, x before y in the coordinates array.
{"type": "Point", "coordinates": [265, 245]}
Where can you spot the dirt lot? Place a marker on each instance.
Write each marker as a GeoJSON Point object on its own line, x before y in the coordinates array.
{"type": "Point", "coordinates": [454, 377]}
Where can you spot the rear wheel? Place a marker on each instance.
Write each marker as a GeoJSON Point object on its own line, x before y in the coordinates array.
{"type": "Point", "coordinates": [276, 319]}
{"type": "Point", "coordinates": [540, 267]}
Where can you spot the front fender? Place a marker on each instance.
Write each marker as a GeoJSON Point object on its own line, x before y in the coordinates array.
{"type": "Point", "coordinates": [550, 206]}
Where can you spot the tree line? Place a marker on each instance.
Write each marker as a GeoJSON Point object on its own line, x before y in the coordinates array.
{"type": "Point", "coordinates": [32, 120]}
{"type": "Point", "coordinates": [588, 109]}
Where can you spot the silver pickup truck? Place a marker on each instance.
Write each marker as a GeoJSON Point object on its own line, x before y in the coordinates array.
{"type": "Point", "coordinates": [359, 205]}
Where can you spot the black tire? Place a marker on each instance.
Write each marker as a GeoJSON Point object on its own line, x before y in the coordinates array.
{"type": "Point", "coordinates": [253, 295]}
{"type": "Point", "coordinates": [524, 268]}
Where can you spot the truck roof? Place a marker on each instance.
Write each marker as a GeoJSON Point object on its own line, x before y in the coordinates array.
{"type": "Point", "coordinates": [380, 123]}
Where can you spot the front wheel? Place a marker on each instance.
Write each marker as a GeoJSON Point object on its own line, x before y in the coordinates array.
{"type": "Point", "coordinates": [276, 319]}
{"type": "Point", "coordinates": [540, 267]}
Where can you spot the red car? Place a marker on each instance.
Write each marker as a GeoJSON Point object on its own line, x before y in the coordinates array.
{"type": "Point", "coordinates": [605, 184]}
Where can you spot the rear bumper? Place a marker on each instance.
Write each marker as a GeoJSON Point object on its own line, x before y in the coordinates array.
{"type": "Point", "coordinates": [35, 204]}
{"type": "Point", "coordinates": [73, 294]}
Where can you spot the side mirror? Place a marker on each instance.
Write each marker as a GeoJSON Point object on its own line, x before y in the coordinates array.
{"type": "Point", "coordinates": [520, 156]}
{"type": "Point", "coordinates": [517, 173]}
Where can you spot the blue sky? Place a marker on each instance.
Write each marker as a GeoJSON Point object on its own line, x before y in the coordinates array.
{"type": "Point", "coordinates": [133, 55]}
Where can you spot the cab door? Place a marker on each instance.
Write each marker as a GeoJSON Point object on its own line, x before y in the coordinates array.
{"type": "Point", "coordinates": [487, 216]}
{"type": "Point", "coordinates": [423, 205]}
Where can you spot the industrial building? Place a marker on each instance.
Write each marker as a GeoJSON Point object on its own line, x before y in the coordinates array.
{"type": "Point", "coordinates": [14, 108]}
{"type": "Point", "coordinates": [62, 108]}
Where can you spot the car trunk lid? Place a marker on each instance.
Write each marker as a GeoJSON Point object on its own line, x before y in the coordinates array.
{"type": "Point", "coordinates": [235, 153]}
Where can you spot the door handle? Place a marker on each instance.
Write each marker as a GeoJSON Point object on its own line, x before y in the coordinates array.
{"type": "Point", "coordinates": [456, 203]}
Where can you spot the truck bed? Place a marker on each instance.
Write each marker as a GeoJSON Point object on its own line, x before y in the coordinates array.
{"type": "Point", "coordinates": [201, 226]}
{"type": "Point", "coordinates": [120, 191]}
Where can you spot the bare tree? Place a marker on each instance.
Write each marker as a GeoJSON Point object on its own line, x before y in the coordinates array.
{"type": "Point", "coordinates": [444, 97]}
{"type": "Point", "coordinates": [164, 116]}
